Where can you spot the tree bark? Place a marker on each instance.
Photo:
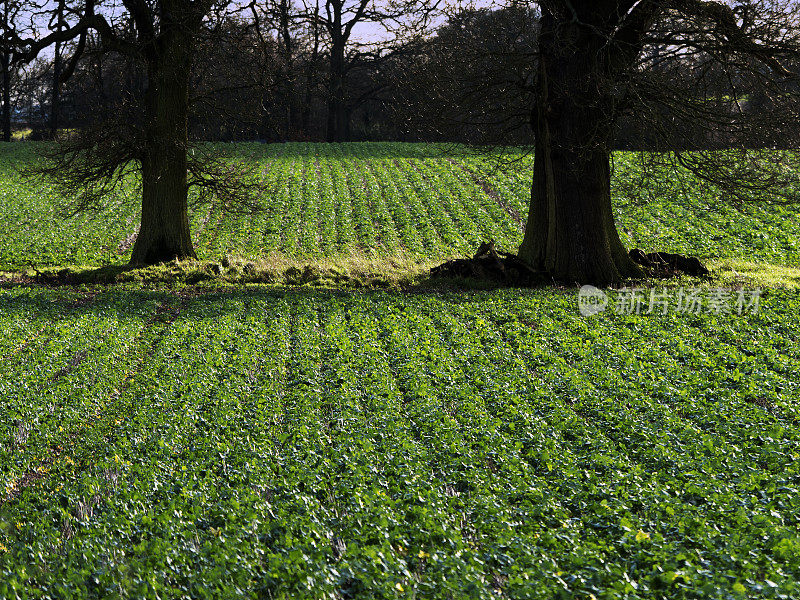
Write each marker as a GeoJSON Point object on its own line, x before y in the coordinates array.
{"type": "Point", "coordinates": [570, 230]}
{"type": "Point", "coordinates": [164, 232]}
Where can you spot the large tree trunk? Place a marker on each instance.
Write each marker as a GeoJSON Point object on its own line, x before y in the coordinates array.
{"type": "Point", "coordinates": [164, 231]}
{"type": "Point", "coordinates": [570, 230]}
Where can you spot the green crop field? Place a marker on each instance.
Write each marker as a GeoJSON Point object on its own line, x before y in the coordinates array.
{"type": "Point", "coordinates": [324, 444]}
{"type": "Point", "coordinates": [251, 441]}
{"type": "Point", "coordinates": [378, 200]}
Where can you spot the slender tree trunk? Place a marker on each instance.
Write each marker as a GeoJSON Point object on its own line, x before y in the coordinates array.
{"type": "Point", "coordinates": [311, 78]}
{"type": "Point", "coordinates": [99, 79]}
{"type": "Point", "coordinates": [266, 126]}
{"type": "Point", "coordinates": [55, 99]}
{"type": "Point", "coordinates": [5, 62]}
{"type": "Point", "coordinates": [5, 59]}
{"type": "Point", "coordinates": [571, 230]}
{"type": "Point", "coordinates": [293, 123]}
{"type": "Point", "coordinates": [55, 92]}
{"type": "Point", "coordinates": [305, 111]}
{"type": "Point", "coordinates": [337, 109]}
{"type": "Point", "coordinates": [164, 232]}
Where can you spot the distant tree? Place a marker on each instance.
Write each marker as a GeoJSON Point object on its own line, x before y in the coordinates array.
{"type": "Point", "coordinates": [281, 18]}
{"type": "Point", "coordinates": [22, 17]}
{"type": "Point", "coordinates": [340, 21]}
{"type": "Point", "coordinates": [290, 38]}
{"type": "Point", "coordinates": [12, 24]}
{"type": "Point", "coordinates": [596, 64]}
{"type": "Point", "coordinates": [5, 64]}
{"type": "Point", "coordinates": [62, 70]}
{"type": "Point", "coordinates": [230, 78]}
{"type": "Point", "coordinates": [473, 81]}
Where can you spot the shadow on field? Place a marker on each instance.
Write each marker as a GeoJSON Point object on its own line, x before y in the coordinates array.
{"type": "Point", "coordinates": [202, 302]}
{"type": "Point", "coordinates": [407, 274]}
{"type": "Point", "coordinates": [231, 278]}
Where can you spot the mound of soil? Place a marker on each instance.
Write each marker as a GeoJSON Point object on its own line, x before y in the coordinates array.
{"type": "Point", "coordinates": [493, 265]}
{"type": "Point", "coordinates": [665, 263]}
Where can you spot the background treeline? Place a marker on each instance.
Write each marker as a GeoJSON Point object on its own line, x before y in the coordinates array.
{"type": "Point", "coordinates": [290, 71]}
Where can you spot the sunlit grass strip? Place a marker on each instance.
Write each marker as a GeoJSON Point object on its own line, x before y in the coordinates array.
{"type": "Point", "coordinates": [453, 203]}
{"type": "Point", "coordinates": [344, 207]}
{"type": "Point", "coordinates": [309, 218]}
{"type": "Point", "coordinates": [388, 199]}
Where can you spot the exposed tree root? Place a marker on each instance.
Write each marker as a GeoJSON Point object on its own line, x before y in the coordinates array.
{"type": "Point", "coordinates": [666, 264]}
{"type": "Point", "coordinates": [493, 265]}
{"type": "Point", "coordinates": [490, 264]}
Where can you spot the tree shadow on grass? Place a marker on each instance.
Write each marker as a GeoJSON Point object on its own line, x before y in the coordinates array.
{"type": "Point", "coordinates": [406, 275]}
{"type": "Point", "coordinates": [211, 299]}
